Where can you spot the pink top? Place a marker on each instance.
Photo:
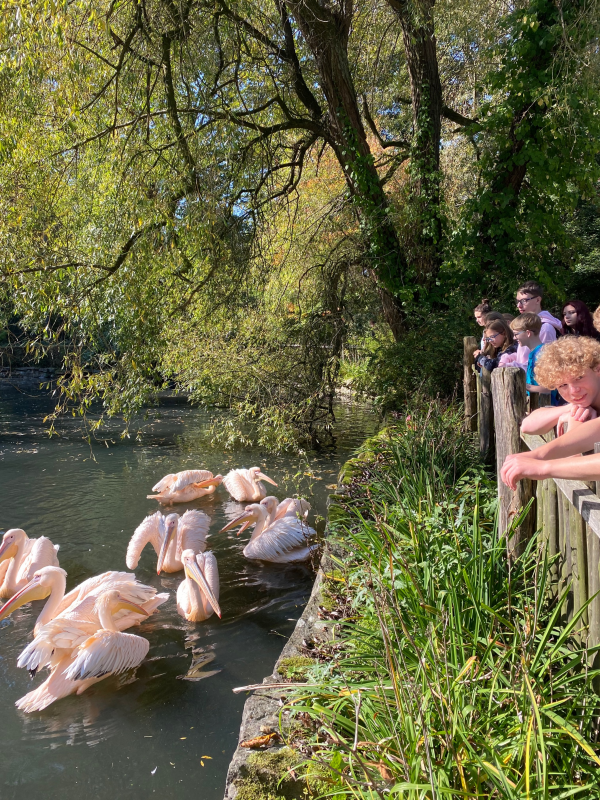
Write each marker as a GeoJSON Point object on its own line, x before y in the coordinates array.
{"type": "Point", "coordinates": [518, 359]}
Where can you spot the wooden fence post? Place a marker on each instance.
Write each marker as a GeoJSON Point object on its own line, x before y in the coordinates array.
{"type": "Point", "coordinates": [486, 416]}
{"type": "Point", "coordinates": [593, 554]}
{"type": "Point", "coordinates": [510, 404]}
{"type": "Point", "coordinates": [470, 344]}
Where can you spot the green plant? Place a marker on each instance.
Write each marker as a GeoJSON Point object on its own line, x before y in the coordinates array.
{"type": "Point", "coordinates": [455, 676]}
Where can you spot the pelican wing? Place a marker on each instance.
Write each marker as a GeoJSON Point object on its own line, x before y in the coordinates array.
{"type": "Point", "coordinates": [106, 580]}
{"type": "Point", "coordinates": [192, 529]}
{"type": "Point", "coordinates": [293, 506]}
{"type": "Point", "coordinates": [239, 484]}
{"type": "Point", "coordinates": [58, 634]}
{"type": "Point", "coordinates": [148, 531]}
{"type": "Point", "coordinates": [40, 553]}
{"type": "Point", "coordinates": [107, 653]}
{"type": "Point", "coordinates": [279, 539]}
{"type": "Point", "coordinates": [165, 483]}
{"type": "Point", "coordinates": [190, 476]}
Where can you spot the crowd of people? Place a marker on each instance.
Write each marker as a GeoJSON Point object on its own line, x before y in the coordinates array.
{"type": "Point", "coordinates": [561, 357]}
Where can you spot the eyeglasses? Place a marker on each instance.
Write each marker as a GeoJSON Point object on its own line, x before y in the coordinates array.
{"type": "Point", "coordinates": [491, 338]}
{"type": "Point", "coordinates": [524, 300]}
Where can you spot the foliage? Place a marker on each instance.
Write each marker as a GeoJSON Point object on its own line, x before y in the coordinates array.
{"type": "Point", "coordinates": [456, 674]}
{"type": "Point", "coordinates": [427, 361]}
{"type": "Point", "coordinates": [193, 194]}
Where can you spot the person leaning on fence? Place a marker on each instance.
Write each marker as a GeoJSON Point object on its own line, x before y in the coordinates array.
{"type": "Point", "coordinates": [486, 319]}
{"type": "Point", "coordinates": [499, 341]}
{"type": "Point", "coordinates": [577, 320]}
{"type": "Point", "coordinates": [572, 366]}
{"type": "Point", "coordinates": [527, 329]}
{"type": "Point", "coordinates": [529, 300]}
{"type": "Point", "coordinates": [520, 358]}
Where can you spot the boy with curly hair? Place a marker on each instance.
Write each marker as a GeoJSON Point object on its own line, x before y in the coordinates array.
{"type": "Point", "coordinates": [571, 365]}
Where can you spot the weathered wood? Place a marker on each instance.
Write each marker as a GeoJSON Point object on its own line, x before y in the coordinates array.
{"type": "Point", "coordinates": [578, 564]}
{"type": "Point", "coordinates": [581, 496]}
{"type": "Point", "coordinates": [541, 490]}
{"type": "Point", "coordinates": [470, 383]}
{"type": "Point", "coordinates": [538, 400]}
{"type": "Point", "coordinates": [551, 526]}
{"type": "Point", "coordinates": [593, 561]}
{"type": "Point", "coordinates": [486, 416]}
{"type": "Point", "coordinates": [510, 403]}
{"type": "Point", "coordinates": [566, 576]}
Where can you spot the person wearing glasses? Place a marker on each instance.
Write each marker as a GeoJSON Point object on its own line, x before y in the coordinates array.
{"type": "Point", "coordinates": [529, 301]}
{"type": "Point", "coordinates": [499, 341]}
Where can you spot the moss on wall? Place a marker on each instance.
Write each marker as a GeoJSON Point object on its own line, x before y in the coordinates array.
{"type": "Point", "coordinates": [294, 668]}
{"type": "Point", "coordinates": [271, 776]}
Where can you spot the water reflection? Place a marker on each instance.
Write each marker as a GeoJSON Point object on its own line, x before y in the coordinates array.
{"type": "Point", "coordinates": [144, 731]}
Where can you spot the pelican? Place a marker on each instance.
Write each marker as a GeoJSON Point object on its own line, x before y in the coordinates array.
{"type": "Point", "coordinates": [291, 505]}
{"type": "Point", "coordinates": [245, 484]}
{"type": "Point", "coordinates": [198, 593]}
{"type": "Point", "coordinates": [169, 536]}
{"type": "Point", "coordinates": [82, 649]}
{"type": "Point", "coordinates": [183, 487]}
{"type": "Point", "coordinates": [50, 583]}
{"type": "Point", "coordinates": [27, 556]}
{"type": "Point", "coordinates": [282, 542]}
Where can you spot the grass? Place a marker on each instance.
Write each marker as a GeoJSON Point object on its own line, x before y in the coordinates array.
{"type": "Point", "coordinates": [451, 675]}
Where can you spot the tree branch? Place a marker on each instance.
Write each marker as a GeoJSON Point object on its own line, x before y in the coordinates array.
{"type": "Point", "coordinates": [383, 142]}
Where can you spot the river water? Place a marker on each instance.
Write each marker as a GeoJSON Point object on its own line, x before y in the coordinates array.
{"type": "Point", "coordinates": [173, 725]}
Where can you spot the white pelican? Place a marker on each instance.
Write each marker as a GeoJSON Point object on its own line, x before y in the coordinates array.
{"type": "Point", "coordinates": [198, 593]}
{"type": "Point", "coordinates": [183, 487]}
{"type": "Point", "coordinates": [82, 648]}
{"type": "Point", "coordinates": [291, 505]}
{"type": "Point", "coordinates": [27, 556]}
{"type": "Point", "coordinates": [50, 582]}
{"type": "Point", "coordinates": [282, 542]}
{"type": "Point", "coordinates": [245, 484]}
{"type": "Point", "coordinates": [169, 536]}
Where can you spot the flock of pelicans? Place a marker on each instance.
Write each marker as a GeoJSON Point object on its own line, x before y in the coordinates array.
{"type": "Point", "coordinates": [79, 636]}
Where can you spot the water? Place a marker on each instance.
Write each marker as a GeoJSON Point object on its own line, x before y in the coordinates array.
{"type": "Point", "coordinates": [153, 731]}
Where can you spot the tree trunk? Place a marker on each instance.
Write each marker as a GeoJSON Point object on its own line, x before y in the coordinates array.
{"type": "Point", "coordinates": [326, 33]}
{"type": "Point", "coordinates": [416, 21]}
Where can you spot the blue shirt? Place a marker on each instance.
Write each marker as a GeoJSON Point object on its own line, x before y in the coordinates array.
{"type": "Point", "coordinates": [555, 398]}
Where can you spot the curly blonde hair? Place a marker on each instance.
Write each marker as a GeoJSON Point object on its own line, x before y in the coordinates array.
{"type": "Point", "coordinates": [596, 318]}
{"type": "Point", "coordinates": [570, 355]}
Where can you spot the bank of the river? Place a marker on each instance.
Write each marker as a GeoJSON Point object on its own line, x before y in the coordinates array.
{"type": "Point", "coordinates": [426, 667]}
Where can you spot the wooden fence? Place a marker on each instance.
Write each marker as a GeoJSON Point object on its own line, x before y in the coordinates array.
{"type": "Point", "coordinates": [567, 512]}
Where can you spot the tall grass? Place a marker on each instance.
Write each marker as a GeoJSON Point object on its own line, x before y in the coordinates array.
{"type": "Point", "coordinates": [452, 675]}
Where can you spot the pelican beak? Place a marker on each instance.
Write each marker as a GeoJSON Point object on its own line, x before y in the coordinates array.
{"type": "Point", "coordinates": [33, 591]}
{"type": "Point", "coordinates": [246, 518]}
{"type": "Point", "coordinates": [261, 476]}
{"type": "Point", "coordinates": [127, 605]}
{"type": "Point", "coordinates": [194, 572]}
{"type": "Point", "coordinates": [165, 546]}
{"type": "Point", "coordinates": [7, 550]}
{"type": "Point", "coordinates": [218, 479]}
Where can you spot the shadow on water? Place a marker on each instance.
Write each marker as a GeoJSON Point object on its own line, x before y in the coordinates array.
{"type": "Point", "coordinates": [173, 723]}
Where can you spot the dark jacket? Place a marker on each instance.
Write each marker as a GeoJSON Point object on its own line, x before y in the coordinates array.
{"type": "Point", "coordinates": [491, 363]}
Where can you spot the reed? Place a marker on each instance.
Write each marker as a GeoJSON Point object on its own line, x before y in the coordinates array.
{"type": "Point", "coordinates": [451, 675]}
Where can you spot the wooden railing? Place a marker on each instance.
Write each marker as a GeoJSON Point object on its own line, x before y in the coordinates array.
{"type": "Point", "coordinates": [566, 512]}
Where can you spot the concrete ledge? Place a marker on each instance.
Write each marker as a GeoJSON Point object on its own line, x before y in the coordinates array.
{"type": "Point", "coordinates": [262, 707]}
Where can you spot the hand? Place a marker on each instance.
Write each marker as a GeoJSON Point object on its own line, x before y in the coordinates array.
{"type": "Point", "coordinates": [562, 426]}
{"type": "Point", "coordinates": [476, 353]}
{"type": "Point", "coordinates": [583, 413]}
{"type": "Point", "coordinates": [522, 465]}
